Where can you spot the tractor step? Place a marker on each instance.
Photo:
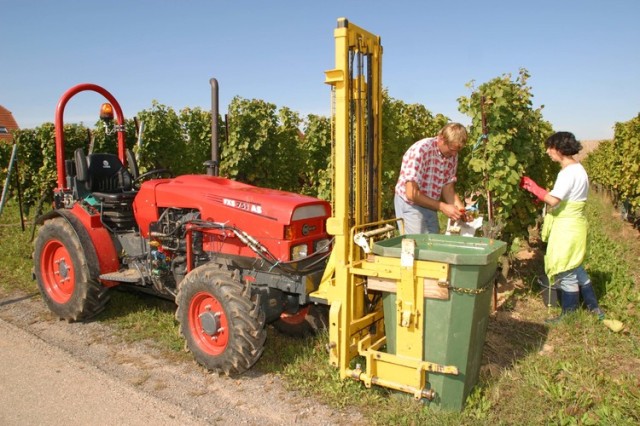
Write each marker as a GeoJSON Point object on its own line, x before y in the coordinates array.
{"type": "Point", "coordinates": [126, 276]}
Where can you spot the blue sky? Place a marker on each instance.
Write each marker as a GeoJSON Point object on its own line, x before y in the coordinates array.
{"type": "Point", "coordinates": [583, 55]}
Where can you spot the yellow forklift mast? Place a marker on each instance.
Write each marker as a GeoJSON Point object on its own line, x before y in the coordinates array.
{"type": "Point", "coordinates": [355, 279]}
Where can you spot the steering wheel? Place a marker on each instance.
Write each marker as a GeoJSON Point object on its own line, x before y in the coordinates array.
{"type": "Point", "coordinates": [154, 172]}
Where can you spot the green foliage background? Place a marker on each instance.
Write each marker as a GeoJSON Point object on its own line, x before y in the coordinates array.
{"type": "Point", "coordinates": [513, 147]}
{"type": "Point", "coordinates": [614, 165]}
{"type": "Point", "coordinates": [270, 146]}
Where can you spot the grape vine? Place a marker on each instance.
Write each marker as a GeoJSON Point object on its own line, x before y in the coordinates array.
{"type": "Point", "coordinates": [492, 164]}
{"type": "Point", "coordinates": [614, 166]}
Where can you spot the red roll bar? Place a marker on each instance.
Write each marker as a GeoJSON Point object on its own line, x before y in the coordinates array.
{"type": "Point", "coordinates": [60, 126]}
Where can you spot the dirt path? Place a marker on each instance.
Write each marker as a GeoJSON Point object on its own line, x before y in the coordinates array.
{"type": "Point", "coordinates": [42, 384]}
{"type": "Point", "coordinates": [79, 371]}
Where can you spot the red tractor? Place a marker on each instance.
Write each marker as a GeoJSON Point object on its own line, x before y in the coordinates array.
{"type": "Point", "coordinates": [234, 257]}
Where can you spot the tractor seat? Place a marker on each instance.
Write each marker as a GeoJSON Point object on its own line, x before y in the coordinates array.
{"type": "Point", "coordinates": [105, 178]}
{"type": "Point", "coordinates": [102, 173]}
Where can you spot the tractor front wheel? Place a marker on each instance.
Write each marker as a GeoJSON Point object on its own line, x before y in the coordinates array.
{"type": "Point", "coordinates": [222, 323]}
{"type": "Point", "coordinates": [63, 274]}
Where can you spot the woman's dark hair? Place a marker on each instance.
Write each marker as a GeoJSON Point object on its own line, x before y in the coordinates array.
{"type": "Point", "coordinates": [563, 142]}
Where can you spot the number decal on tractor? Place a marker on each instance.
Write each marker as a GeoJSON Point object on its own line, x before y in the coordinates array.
{"type": "Point", "coordinates": [242, 205]}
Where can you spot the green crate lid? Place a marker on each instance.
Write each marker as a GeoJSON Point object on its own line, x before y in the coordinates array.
{"type": "Point", "coordinates": [451, 249]}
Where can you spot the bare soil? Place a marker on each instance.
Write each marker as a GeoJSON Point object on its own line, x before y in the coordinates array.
{"type": "Point", "coordinates": [253, 398]}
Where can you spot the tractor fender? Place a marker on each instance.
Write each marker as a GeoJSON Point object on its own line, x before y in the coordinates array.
{"type": "Point", "coordinates": [96, 242]}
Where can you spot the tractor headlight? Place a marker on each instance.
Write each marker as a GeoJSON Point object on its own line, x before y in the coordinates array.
{"type": "Point", "coordinates": [299, 252]}
{"type": "Point", "coordinates": [321, 245]}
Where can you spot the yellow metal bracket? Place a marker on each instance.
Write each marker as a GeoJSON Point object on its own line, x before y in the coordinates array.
{"type": "Point", "coordinates": [396, 372]}
{"type": "Point", "coordinates": [412, 281]}
{"type": "Point", "coordinates": [409, 302]}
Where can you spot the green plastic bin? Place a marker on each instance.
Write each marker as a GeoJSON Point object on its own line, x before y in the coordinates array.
{"type": "Point", "coordinates": [454, 329]}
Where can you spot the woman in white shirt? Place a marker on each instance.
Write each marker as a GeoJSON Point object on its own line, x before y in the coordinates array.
{"type": "Point", "coordinates": [565, 225]}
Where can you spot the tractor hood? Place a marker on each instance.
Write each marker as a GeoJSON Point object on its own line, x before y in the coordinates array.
{"type": "Point", "coordinates": [222, 199]}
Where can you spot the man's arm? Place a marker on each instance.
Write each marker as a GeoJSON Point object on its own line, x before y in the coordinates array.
{"type": "Point", "coordinates": [449, 209]}
{"type": "Point", "coordinates": [450, 197]}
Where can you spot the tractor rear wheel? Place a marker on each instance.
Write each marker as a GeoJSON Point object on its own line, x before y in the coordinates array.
{"type": "Point", "coordinates": [308, 321]}
{"type": "Point", "coordinates": [63, 274]}
{"type": "Point", "coordinates": [222, 323]}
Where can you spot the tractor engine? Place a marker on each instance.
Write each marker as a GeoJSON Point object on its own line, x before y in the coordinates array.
{"type": "Point", "coordinates": [167, 259]}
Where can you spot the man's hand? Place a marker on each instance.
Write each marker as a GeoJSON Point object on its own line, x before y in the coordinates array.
{"type": "Point", "coordinates": [451, 211]}
{"type": "Point", "coordinates": [528, 184]}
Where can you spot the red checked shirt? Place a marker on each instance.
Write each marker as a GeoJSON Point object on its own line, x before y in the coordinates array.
{"type": "Point", "coordinates": [424, 164]}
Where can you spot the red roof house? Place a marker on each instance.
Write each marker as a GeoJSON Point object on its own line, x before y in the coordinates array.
{"type": "Point", "coordinates": [7, 124]}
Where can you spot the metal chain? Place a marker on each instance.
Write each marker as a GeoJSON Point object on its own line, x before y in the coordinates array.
{"type": "Point", "coordinates": [462, 290]}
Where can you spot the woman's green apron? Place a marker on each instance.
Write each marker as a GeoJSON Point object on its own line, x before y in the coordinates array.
{"type": "Point", "coordinates": [565, 231]}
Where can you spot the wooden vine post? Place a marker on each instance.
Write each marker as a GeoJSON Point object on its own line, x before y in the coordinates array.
{"type": "Point", "coordinates": [490, 227]}
{"type": "Point", "coordinates": [485, 134]}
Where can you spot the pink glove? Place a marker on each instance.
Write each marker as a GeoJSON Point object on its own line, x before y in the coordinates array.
{"type": "Point", "coordinates": [528, 184]}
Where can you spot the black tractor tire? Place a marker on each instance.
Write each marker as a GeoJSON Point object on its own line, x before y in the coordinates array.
{"type": "Point", "coordinates": [310, 320]}
{"type": "Point", "coordinates": [222, 323]}
{"type": "Point", "coordinates": [65, 280]}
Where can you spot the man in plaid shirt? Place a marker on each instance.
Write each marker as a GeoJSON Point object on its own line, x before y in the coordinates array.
{"type": "Point", "coordinates": [427, 180]}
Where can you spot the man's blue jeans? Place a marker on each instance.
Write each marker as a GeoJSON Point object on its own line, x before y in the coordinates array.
{"type": "Point", "coordinates": [417, 220]}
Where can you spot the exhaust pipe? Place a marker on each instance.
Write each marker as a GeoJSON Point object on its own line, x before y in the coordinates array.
{"type": "Point", "coordinates": [213, 164]}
